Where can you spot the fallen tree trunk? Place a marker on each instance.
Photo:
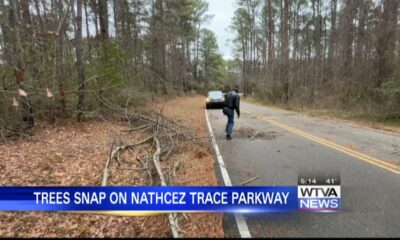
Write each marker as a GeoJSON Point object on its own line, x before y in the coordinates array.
{"type": "Point", "coordinates": [105, 172]}
{"type": "Point", "coordinates": [156, 160]}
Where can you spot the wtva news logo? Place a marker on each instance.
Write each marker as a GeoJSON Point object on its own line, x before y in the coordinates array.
{"type": "Point", "coordinates": [319, 195]}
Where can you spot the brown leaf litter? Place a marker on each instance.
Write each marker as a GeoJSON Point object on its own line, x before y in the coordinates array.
{"type": "Point", "coordinates": [72, 154]}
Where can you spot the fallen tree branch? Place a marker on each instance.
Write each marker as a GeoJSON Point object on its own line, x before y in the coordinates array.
{"type": "Point", "coordinates": [123, 147]}
{"type": "Point", "coordinates": [395, 152]}
{"type": "Point", "coordinates": [169, 150]}
{"type": "Point", "coordinates": [135, 129]}
{"type": "Point", "coordinates": [156, 160]}
{"type": "Point", "coordinates": [145, 164]}
{"type": "Point", "coordinates": [252, 138]}
{"type": "Point", "coordinates": [249, 181]}
{"type": "Point", "coordinates": [161, 120]}
{"type": "Point", "coordinates": [105, 172]}
{"type": "Point", "coordinates": [3, 137]}
{"type": "Point", "coordinates": [8, 132]}
{"type": "Point", "coordinates": [115, 152]}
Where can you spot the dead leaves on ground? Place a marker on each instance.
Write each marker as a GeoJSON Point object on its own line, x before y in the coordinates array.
{"type": "Point", "coordinates": [69, 155]}
{"type": "Point", "coordinates": [72, 154]}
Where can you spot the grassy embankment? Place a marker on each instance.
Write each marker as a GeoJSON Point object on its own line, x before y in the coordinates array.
{"type": "Point", "coordinates": [388, 122]}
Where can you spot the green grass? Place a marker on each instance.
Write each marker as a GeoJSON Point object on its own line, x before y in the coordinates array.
{"type": "Point", "coordinates": [372, 118]}
{"type": "Point", "coordinates": [378, 120]}
{"type": "Point", "coordinates": [268, 104]}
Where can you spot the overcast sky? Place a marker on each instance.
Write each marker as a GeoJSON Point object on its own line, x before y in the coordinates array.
{"type": "Point", "coordinates": [223, 13]}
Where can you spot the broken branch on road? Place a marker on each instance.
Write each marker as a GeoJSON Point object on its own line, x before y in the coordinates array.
{"type": "Point", "coordinates": [249, 181]}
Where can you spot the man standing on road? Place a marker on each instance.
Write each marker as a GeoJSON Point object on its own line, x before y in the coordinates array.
{"type": "Point", "coordinates": [232, 100]}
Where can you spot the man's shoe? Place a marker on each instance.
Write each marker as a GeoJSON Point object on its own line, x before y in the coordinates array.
{"type": "Point", "coordinates": [228, 137]}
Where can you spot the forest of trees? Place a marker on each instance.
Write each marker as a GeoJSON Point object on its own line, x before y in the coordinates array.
{"type": "Point", "coordinates": [339, 54]}
{"type": "Point", "coordinates": [70, 58]}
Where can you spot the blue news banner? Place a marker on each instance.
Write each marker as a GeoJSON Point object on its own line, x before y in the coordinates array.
{"type": "Point", "coordinates": [165, 199]}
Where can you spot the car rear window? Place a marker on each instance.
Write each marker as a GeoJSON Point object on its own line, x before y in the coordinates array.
{"type": "Point", "coordinates": [215, 94]}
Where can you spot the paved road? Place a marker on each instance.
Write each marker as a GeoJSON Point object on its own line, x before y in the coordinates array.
{"type": "Point", "coordinates": [366, 159]}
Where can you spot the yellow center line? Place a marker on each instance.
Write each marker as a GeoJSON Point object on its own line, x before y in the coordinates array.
{"type": "Point", "coordinates": [379, 163]}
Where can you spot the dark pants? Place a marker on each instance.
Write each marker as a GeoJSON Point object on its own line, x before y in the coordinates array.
{"type": "Point", "coordinates": [229, 125]}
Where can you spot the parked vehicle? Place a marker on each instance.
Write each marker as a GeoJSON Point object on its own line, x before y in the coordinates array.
{"type": "Point", "coordinates": [215, 99]}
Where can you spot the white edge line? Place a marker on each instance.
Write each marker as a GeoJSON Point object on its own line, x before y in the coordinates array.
{"type": "Point", "coordinates": [240, 221]}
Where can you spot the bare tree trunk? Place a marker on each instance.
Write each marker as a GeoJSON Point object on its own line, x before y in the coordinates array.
{"type": "Point", "coordinates": [116, 18]}
{"type": "Point", "coordinates": [87, 31]}
{"type": "Point", "coordinates": [37, 7]}
{"type": "Point", "coordinates": [7, 34]}
{"type": "Point", "coordinates": [271, 31]}
{"type": "Point", "coordinates": [79, 62]}
{"type": "Point", "coordinates": [19, 67]}
{"type": "Point", "coordinates": [332, 41]}
{"type": "Point", "coordinates": [96, 16]}
{"type": "Point", "coordinates": [347, 54]}
{"type": "Point", "coordinates": [386, 34]}
{"type": "Point", "coordinates": [244, 71]}
{"type": "Point", "coordinates": [61, 60]}
{"type": "Point", "coordinates": [285, 52]}
{"type": "Point", "coordinates": [103, 14]}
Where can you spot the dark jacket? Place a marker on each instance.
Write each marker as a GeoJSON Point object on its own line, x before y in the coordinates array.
{"type": "Point", "coordinates": [232, 100]}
